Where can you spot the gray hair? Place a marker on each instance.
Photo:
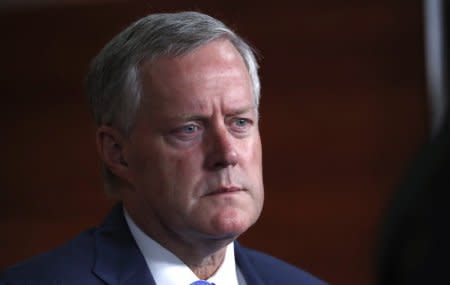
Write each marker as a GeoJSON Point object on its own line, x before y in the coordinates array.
{"type": "Point", "coordinates": [113, 82]}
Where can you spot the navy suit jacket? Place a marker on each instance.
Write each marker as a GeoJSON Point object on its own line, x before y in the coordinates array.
{"type": "Point", "coordinates": [108, 254]}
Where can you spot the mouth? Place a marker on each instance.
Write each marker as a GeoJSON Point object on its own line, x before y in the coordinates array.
{"type": "Point", "coordinates": [226, 190]}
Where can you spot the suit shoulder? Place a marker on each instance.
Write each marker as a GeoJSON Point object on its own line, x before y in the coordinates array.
{"type": "Point", "coordinates": [272, 268]}
{"type": "Point", "coordinates": [69, 259]}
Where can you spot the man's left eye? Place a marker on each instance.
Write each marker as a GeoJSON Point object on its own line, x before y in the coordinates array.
{"type": "Point", "coordinates": [241, 122]}
{"type": "Point", "coordinates": [241, 125]}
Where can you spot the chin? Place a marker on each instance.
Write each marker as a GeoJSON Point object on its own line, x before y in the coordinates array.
{"type": "Point", "coordinates": [232, 223]}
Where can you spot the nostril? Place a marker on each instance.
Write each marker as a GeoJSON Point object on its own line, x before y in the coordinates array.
{"type": "Point", "coordinates": [224, 164]}
{"type": "Point", "coordinates": [219, 165]}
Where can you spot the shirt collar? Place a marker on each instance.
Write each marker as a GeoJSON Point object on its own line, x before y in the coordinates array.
{"type": "Point", "coordinates": [166, 268]}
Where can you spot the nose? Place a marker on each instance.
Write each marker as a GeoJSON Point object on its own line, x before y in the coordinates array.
{"type": "Point", "coordinates": [221, 150]}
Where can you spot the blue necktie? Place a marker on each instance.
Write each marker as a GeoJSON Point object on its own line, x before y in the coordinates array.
{"type": "Point", "coordinates": [201, 282]}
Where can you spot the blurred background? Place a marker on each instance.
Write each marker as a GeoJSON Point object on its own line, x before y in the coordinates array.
{"type": "Point", "coordinates": [346, 106]}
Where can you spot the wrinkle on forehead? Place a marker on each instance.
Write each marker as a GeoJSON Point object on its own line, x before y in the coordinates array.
{"type": "Point", "coordinates": [206, 68]}
{"type": "Point", "coordinates": [207, 57]}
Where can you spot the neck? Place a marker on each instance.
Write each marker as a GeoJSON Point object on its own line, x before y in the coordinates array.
{"type": "Point", "coordinates": [209, 265]}
{"type": "Point", "coordinates": [202, 255]}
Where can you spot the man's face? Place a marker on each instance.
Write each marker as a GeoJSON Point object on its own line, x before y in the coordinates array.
{"type": "Point", "coordinates": [194, 155]}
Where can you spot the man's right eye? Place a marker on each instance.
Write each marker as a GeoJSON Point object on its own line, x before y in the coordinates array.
{"type": "Point", "coordinates": [187, 132]}
{"type": "Point", "coordinates": [189, 129]}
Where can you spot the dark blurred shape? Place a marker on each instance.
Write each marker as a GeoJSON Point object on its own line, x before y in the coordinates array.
{"type": "Point", "coordinates": [415, 241]}
{"type": "Point", "coordinates": [415, 245]}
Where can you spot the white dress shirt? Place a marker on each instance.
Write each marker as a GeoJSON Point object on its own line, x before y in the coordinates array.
{"type": "Point", "coordinates": [167, 269]}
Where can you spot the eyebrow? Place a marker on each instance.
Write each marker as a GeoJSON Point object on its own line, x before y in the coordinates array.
{"type": "Point", "coordinates": [242, 110]}
{"type": "Point", "coordinates": [188, 117]}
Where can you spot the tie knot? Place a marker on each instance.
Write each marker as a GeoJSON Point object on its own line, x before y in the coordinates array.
{"type": "Point", "coordinates": [201, 282]}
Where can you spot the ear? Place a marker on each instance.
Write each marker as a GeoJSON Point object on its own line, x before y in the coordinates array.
{"type": "Point", "coordinates": [110, 146]}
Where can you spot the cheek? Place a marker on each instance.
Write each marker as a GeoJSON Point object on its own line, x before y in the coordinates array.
{"type": "Point", "coordinates": [152, 168]}
{"type": "Point", "coordinates": [254, 156]}
{"type": "Point", "coordinates": [255, 165]}
{"type": "Point", "coordinates": [182, 170]}
{"type": "Point", "coordinates": [185, 162]}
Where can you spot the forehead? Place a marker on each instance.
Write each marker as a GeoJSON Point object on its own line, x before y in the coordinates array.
{"type": "Point", "coordinates": [219, 53]}
{"type": "Point", "coordinates": [216, 68]}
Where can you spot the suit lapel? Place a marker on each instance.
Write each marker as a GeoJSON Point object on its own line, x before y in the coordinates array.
{"type": "Point", "coordinates": [118, 259]}
{"type": "Point", "coordinates": [247, 269]}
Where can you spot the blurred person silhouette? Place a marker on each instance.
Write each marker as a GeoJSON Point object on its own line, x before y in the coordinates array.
{"type": "Point", "coordinates": [415, 241]}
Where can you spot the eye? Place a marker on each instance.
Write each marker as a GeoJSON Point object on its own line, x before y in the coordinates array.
{"type": "Point", "coordinates": [240, 122]}
{"type": "Point", "coordinates": [189, 129]}
{"type": "Point", "coordinates": [241, 125]}
{"type": "Point", "coordinates": [187, 132]}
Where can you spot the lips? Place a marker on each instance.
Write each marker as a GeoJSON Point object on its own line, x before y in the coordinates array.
{"type": "Point", "coordinates": [226, 190]}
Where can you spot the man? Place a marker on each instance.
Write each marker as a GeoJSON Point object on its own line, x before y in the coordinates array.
{"type": "Point", "coordinates": [175, 97]}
